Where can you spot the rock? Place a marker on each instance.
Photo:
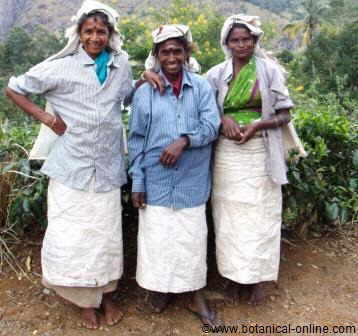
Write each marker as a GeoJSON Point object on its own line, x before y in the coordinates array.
{"type": "Point", "coordinates": [46, 291]}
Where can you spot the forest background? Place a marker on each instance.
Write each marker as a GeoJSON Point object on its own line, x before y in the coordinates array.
{"type": "Point", "coordinates": [317, 42]}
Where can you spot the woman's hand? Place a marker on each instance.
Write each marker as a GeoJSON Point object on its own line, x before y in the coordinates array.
{"type": "Point", "coordinates": [230, 128]}
{"type": "Point", "coordinates": [172, 153]}
{"type": "Point", "coordinates": [248, 132]}
{"type": "Point", "coordinates": [57, 125]}
{"type": "Point", "coordinates": [154, 80]}
{"type": "Point", "coordinates": [138, 200]}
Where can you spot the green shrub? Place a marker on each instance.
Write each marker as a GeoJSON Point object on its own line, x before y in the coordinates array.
{"type": "Point", "coordinates": [323, 193]}
{"type": "Point", "coordinates": [26, 200]}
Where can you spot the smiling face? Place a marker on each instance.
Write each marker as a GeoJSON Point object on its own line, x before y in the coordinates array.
{"type": "Point", "coordinates": [94, 36]}
{"type": "Point", "coordinates": [241, 43]}
{"type": "Point", "coordinates": [171, 56]}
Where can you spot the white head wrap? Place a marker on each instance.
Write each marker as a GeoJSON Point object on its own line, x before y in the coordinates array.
{"type": "Point", "coordinates": [88, 6]}
{"type": "Point", "coordinates": [252, 23]}
{"type": "Point", "coordinates": [167, 32]}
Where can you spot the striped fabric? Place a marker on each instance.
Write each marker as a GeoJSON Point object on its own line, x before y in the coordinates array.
{"type": "Point", "coordinates": [157, 121]}
{"type": "Point", "coordinates": [92, 144]}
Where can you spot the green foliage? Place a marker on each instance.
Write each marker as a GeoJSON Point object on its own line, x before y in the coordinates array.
{"type": "Point", "coordinates": [338, 68]}
{"type": "Point", "coordinates": [323, 193]}
{"type": "Point", "coordinates": [27, 186]}
{"type": "Point", "coordinates": [18, 53]}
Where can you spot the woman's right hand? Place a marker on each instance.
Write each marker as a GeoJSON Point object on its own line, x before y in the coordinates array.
{"type": "Point", "coordinates": [138, 200]}
{"type": "Point", "coordinates": [230, 128]}
{"type": "Point", "coordinates": [154, 80]}
{"type": "Point", "coordinates": [57, 125]}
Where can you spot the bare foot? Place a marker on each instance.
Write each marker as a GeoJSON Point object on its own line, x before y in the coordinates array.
{"type": "Point", "coordinates": [158, 301]}
{"type": "Point", "coordinates": [200, 308]}
{"type": "Point", "coordinates": [232, 292]}
{"type": "Point", "coordinates": [257, 294]}
{"type": "Point", "coordinates": [89, 318]}
{"type": "Point", "coordinates": [112, 313]}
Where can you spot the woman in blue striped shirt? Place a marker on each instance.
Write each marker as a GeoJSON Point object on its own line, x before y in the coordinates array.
{"type": "Point", "coordinates": [170, 145]}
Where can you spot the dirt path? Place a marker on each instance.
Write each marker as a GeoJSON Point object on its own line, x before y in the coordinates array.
{"type": "Point", "coordinates": [318, 285]}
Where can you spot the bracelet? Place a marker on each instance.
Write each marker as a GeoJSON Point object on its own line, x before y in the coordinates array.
{"type": "Point", "coordinates": [53, 121]}
{"type": "Point", "coordinates": [277, 123]}
{"type": "Point", "coordinates": [142, 76]}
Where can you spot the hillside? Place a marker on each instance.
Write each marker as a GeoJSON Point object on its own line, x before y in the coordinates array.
{"type": "Point", "coordinates": [55, 14]}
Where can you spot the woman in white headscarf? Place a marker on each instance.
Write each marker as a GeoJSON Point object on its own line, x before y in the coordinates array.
{"type": "Point", "coordinates": [85, 83]}
{"type": "Point", "coordinates": [170, 144]}
{"type": "Point", "coordinates": [249, 166]}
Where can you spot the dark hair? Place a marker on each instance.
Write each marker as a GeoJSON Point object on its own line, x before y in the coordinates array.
{"type": "Point", "coordinates": [240, 25]}
{"type": "Point", "coordinates": [96, 15]}
{"type": "Point", "coordinates": [188, 47]}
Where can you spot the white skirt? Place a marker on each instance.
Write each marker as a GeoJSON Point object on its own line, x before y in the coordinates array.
{"type": "Point", "coordinates": [172, 246]}
{"type": "Point", "coordinates": [83, 241]}
{"type": "Point", "coordinates": [247, 209]}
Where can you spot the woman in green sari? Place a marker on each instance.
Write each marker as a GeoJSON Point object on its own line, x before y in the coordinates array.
{"type": "Point", "coordinates": [249, 166]}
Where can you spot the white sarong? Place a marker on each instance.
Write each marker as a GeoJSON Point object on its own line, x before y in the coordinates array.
{"type": "Point", "coordinates": [247, 209]}
{"type": "Point", "coordinates": [83, 241]}
{"type": "Point", "coordinates": [172, 246]}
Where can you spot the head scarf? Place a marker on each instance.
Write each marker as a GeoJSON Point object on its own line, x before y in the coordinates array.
{"type": "Point", "coordinates": [89, 6]}
{"type": "Point", "coordinates": [251, 22]}
{"type": "Point", "coordinates": [167, 32]}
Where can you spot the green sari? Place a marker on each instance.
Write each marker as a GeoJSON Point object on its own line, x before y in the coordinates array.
{"type": "Point", "coordinates": [243, 100]}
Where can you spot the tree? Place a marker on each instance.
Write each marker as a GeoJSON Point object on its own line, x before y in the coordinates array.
{"type": "Point", "coordinates": [315, 12]}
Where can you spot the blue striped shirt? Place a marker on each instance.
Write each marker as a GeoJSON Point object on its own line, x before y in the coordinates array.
{"type": "Point", "coordinates": [92, 145]}
{"type": "Point", "coordinates": [156, 122]}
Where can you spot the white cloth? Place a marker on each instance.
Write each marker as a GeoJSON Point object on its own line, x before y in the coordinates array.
{"type": "Point", "coordinates": [84, 297]}
{"type": "Point", "coordinates": [172, 248]}
{"type": "Point", "coordinates": [88, 6]}
{"type": "Point", "coordinates": [46, 136]}
{"type": "Point", "coordinates": [166, 32]}
{"type": "Point", "coordinates": [83, 241]}
{"type": "Point", "coordinates": [247, 209]}
{"type": "Point", "coordinates": [252, 23]}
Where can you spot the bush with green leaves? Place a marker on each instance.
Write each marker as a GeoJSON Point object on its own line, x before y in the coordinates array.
{"type": "Point", "coordinates": [26, 201]}
{"type": "Point", "coordinates": [323, 193]}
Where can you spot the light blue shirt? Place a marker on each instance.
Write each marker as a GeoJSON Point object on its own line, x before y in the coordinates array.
{"type": "Point", "coordinates": [157, 121]}
{"type": "Point", "coordinates": [92, 145]}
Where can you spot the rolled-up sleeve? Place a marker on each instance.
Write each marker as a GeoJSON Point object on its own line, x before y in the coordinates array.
{"type": "Point", "coordinates": [209, 118]}
{"type": "Point", "coordinates": [138, 124]}
{"type": "Point", "coordinates": [280, 90]}
{"type": "Point", "coordinates": [38, 80]}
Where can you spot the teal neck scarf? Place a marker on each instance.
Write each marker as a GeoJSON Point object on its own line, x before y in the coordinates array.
{"type": "Point", "coordinates": [101, 66]}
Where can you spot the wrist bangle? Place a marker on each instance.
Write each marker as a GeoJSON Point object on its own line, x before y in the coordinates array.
{"type": "Point", "coordinates": [277, 124]}
{"type": "Point", "coordinates": [142, 76]}
{"type": "Point", "coordinates": [53, 121]}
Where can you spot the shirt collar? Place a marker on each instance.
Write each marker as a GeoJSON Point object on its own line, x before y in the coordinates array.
{"type": "Point", "coordinates": [85, 59]}
{"type": "Point", "coordinates": [185, 81]}
{"type": "Point", "coordinates": [228, 70]}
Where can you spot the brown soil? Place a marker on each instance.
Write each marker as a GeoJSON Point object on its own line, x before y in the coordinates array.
{"type": "Point", "coordinates": [317, 286]}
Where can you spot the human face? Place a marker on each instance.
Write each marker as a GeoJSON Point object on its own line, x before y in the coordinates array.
{"type": "Point", "coordinates": [241, 43]}
{"type": "Point", "coordinates": [171, 57]}
{"type": "Point", "coordinates": [94, 36]}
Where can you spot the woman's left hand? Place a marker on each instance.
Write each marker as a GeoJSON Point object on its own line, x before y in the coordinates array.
{"type": "Point", "coordinates": [248, 132]}
{"type": "Point", "coordinates": [172, 153]}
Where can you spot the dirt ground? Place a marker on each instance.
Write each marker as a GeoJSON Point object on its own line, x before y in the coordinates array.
{"type": "Point", "coordinates": [317, 286]}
